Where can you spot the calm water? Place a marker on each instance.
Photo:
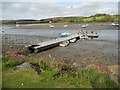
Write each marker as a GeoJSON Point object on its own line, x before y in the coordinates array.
{"type": "Point", "coordinates": [103, 34]}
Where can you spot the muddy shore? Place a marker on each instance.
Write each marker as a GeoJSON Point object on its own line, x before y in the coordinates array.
{"type": "Point", "coordinates": [91, 26]}
{"type": "Point", "coordinates": [94, 51]}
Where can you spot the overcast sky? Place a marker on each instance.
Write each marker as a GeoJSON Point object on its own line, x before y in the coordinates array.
{"type": "Point", "coordinates": [55, 8]}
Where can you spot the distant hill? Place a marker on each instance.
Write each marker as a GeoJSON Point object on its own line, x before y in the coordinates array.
{"type": "Point", "coordinates": [93, 18]}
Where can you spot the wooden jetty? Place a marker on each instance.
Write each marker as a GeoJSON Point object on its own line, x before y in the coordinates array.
{"type": "Point", "coordinates": [49, 44]}
{"type": "Point", "coordinates": [52, 43]}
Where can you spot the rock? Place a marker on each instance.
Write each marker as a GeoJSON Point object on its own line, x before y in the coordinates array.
{"type": "Point", "coordinates": [25, 65]}
{"type": "Point", "coordinates": [114, 75]}
{"type": "Point", "coordinates": [114, 69]}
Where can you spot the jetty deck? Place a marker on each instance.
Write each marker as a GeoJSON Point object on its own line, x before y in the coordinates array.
{"type": "Point", "coordinates": [51, 43]}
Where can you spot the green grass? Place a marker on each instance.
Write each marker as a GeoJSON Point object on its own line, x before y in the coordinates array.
{"type": "Point", "coordinates": [99, 18]}
{"type": "Point", "coordinates": [0, 74]}
{"type": "Point", "coordinates": [88, 19]}
{"type": "Point", "coordinates": [52, 75]}
{"type": "Point", "coordinates": [31, 79]}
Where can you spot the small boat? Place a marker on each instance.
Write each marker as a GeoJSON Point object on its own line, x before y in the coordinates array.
{"type": "Point", "coordinates": [65, 34]}
{"type": "Point", "coordinates": [52, 26]}
{"type": "Point", "coordinates": [73, 40]}
{"type": "Point", "coordinates": [17, 25]}
{"type": "Point", "coordinates": [112, 24]}
{"type": "Point", "coordinates": [84, 26]}
{"type": "Point", "coordinates": [93, 35]}
{"type": "Point", "coordinates": [65, 25]}
{"type": "Point", "coordinates": [64, 43]}
{"type": "Point", "coordinates": [116, 25]}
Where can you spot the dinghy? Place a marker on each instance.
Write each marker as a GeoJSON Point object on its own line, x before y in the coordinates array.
{"type": "Point", "coordinates": [73, 40]}
{"type": "Point", "coordinates": [65, 25]}
{"type": "Point", "coordinates": [84, 26]}
{"type": "Point", "coordinates": [64, 34]}
{"type": "Point", "coordinates": [51, 26]}
{"type": "Point", "coordinates": [112, 24]}
{"type": "Point", "coordinates": [64, 43]}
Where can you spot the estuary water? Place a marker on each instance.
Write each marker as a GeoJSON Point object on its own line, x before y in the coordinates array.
{"type": "Point", "coordinates": [103, 34]}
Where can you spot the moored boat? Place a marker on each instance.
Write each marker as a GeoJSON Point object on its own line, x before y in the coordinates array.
{"type": "Point", "coordinates": [73, 40]}
{"type": "Point", "coordinates": [64, 43]}
{"type": "Point", "coordinates": [17, 25]}
{"type": "Point", "coordinates": [65, 34]}
{"type": "Point", "coordinates": [84, 26]}
{"type": "Point", "coordinates": [93, 35]}
{"type": "Point", "coordinates": [65, 25]}
{"type": "Point", "coordinates": [112, 24]}
{"type": "Point", "coordinates": [52, 26]}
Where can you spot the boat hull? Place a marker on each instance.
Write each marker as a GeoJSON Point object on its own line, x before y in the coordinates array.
{"type": "Point", "coordinates": [73, 40]}
{"type": "Point", "coordinates": [63, 44]}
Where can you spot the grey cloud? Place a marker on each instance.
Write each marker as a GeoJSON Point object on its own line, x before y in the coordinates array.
{"type": "Point", "coordinates": [39, 10]}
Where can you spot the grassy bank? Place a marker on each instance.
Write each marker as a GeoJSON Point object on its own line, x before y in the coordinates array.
{"type": "Point", "coordinates": [98, 18]}
{"type": "Point", "coordinates": [52, 74]}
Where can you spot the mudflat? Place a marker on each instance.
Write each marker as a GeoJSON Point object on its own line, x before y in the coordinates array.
{"type": "Point", "coordinates": [94, 51]}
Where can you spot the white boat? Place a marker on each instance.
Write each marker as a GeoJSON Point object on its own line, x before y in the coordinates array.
{"type": "Point", "coordinates": [65, 25]}
{"type": "Point", "coordinates": [17, 25]}
{"type": "Point", "coordinates": [84, 26]}
{"type": "Point", "coordinates": [92, 34]}
{"type": "Point", "coordinates": [116, 25]}
{"type": "Point", "coordinates": [112, 24]}
{"type": "Point", "coordinates": [73, 40]}
{"type": "Point", "coordinates": [52, 26]}
{"type": "Point", "coordinates": [64, 43]}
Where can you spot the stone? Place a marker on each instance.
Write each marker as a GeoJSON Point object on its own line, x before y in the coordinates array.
{"type": "Point", "coordinates": [24, 65]}
{"type": "Point", "coordinates": [115, 74]}
{"type": "Point", "coordinates": [114, 69]}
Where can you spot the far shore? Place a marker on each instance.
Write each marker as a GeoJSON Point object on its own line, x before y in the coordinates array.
{"type": "Point", "coordinates": [71, 26]}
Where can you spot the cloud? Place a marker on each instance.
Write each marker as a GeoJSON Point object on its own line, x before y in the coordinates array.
{"type": "Point", "coordinates": [106, 10]}
{"type": "Point", "coordinates": [40, 10]}
{"type": "Point", "coordinates": [60, 0]}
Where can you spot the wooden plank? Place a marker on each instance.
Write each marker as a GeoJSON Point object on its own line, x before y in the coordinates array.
{"type": "Point", "coordinates": [55, 41]}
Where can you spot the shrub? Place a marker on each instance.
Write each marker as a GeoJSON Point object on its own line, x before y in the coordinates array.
{"type": "Point", "coordinates": [11, 59]}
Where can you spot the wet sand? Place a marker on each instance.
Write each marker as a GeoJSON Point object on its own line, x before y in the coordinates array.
{"type": "Point", "coordinates": [94, 51]}
{"type": "Point", "coordinates": [91, 26]}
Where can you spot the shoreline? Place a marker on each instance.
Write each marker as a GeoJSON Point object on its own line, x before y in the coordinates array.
{"type": "Point", "coordinates": [71, 26]}
{"type": "Point", "coordinates": [82, 52]}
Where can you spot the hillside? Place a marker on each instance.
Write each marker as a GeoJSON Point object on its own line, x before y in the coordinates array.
{"type": "Point", "coordinates": [103, 18]}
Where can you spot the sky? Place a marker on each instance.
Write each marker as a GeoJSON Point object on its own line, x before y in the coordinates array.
{"type": "Point", "coordinates": [41, 9]}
